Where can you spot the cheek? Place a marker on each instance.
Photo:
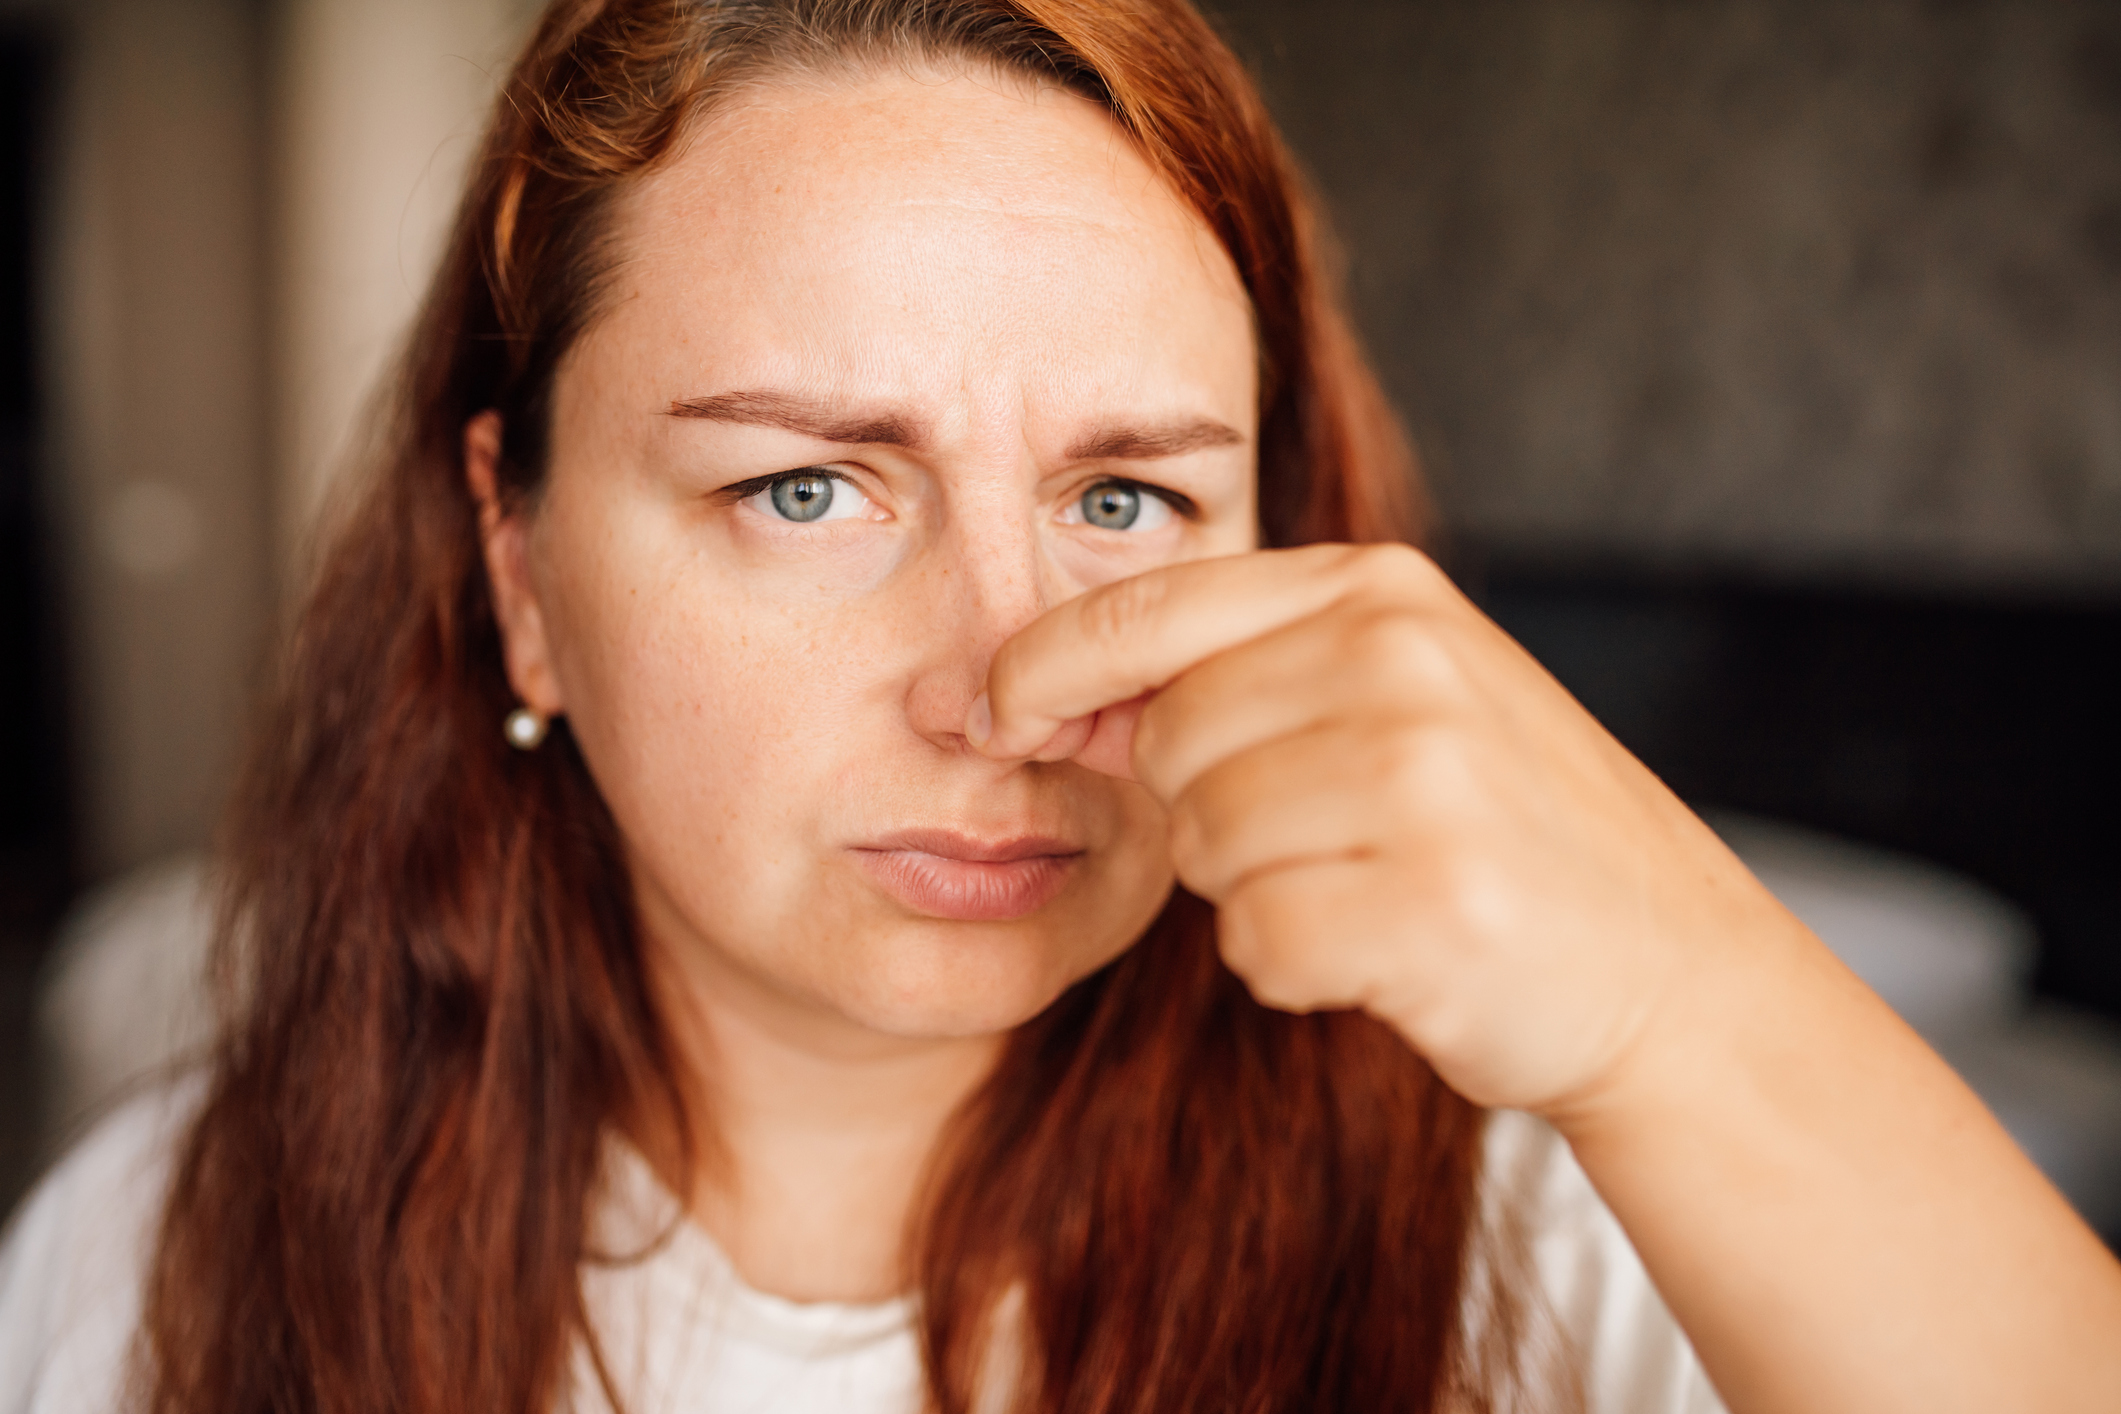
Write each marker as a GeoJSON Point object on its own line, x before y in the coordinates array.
{"type": "Point", "coordinates": [701, 710]}
{"type": "Point", "coordinates": [1138, 876]}
{"type": "Point", "coordinates": [707, 708]}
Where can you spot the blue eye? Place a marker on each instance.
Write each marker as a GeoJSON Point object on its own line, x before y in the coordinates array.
{"type": "Point", "coordinates": [808, 496]}
{"type": "Point", "coordinates": [1121, 505]}
{"type": "Point", "coordinates": [803, 497]}
{"type": "Point", "coordinates": [1112, 506]}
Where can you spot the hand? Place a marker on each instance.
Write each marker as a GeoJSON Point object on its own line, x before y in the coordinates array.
{"type": "Point", "coordinates": [1392, 806]}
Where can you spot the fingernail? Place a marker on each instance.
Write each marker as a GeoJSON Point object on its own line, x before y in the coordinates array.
{"type": "Point", "coordinates": [979, 722]}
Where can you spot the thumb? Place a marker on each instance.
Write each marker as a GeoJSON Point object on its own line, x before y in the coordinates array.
{"type": "Point", "coordinates": [1110, 748]}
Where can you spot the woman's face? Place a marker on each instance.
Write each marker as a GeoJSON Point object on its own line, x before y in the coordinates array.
{"type": "Point", "coordinates": [888, 367]}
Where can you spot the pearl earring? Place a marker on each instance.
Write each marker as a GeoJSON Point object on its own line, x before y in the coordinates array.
{"type": "Point", "coordinates": [525, 729]}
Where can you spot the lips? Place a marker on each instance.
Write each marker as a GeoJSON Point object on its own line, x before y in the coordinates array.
{"type": "Point", "coordinates": [943, 874]}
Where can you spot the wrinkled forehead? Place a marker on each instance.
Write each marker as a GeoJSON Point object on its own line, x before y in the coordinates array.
{"type": "Point", "coordinates": [920, 131]}
{"type": "Point", "coordinates": [953, 228]}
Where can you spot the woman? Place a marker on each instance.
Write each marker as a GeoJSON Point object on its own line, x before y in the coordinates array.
{"type": "Point", "coordinates": [839, 448]}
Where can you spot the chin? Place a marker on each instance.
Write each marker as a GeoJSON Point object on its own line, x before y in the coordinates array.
{"type": "Point", "coordinates": [970, 981]}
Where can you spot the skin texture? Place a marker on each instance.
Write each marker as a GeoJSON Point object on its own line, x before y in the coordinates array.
{"type": "Point", "coordinates": [1395, 808]}
{"type": "Point", "coordinates": [1000, 273]}
{"type": "Point", "coordinates": [1391, 804]}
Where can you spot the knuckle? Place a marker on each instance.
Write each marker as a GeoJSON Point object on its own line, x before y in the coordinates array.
{"type": "Point", "coordinates": [1280, 998]}
{"type": "Point", "coordinates": [1115, 613]}
{"type": "Point", "coordinates": [1396, 570]}
{"type": "Point", "coordinates": [1451, 1033]}
{"type": "Point", "coordinates": [1434, 764]}
{"type": "Point", "coordinates": [1388, 632]}
{"type": "Point", "coordinates": [1261, 947]}
{"type": "Point", "coordinates": [1414, 764]}
{"type": "Point", "coordinates": [1236, 938]}
{"type": "Point", "coordinates": [1266, 972]}
{"type": "Point", "coordinates": [1471, 892]}
{"type": "Point", "coordinates": [1408, 647]}
{"type": "Point", "coordinates": [1189, 848]}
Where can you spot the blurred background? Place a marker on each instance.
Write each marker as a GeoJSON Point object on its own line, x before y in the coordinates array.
{"type": "Point", "coordinates": [1765, 354]}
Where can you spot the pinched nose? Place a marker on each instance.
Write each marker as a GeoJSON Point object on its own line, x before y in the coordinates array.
{"type": "Point", "coordinates": [1103, 741]}
{"type": "Point", "coordinates": [1070, 739]}
{"type": "Point", "coordinates": [972, 594]}
{"type": "Point", "coordinates": [1110, 747]}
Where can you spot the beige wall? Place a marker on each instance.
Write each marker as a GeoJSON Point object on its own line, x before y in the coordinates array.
{"type": "Point", "coordinates": [1810, 288]}
{"type": "Point", "coordinates": [155, 317]}
{"type": "Point", "coordinates": [378, 107]}
{"type": "Point", "coordinates": [247, 203]}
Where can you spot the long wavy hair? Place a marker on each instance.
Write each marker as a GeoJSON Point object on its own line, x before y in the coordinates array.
{"type": "Point", "coordinates": [438, 1004]}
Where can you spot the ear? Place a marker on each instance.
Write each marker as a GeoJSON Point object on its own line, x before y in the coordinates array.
{"type": "Point", "coordinates": [504, 542]}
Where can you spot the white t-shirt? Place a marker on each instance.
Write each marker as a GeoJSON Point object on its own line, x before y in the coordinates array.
{"type": "Point", "coordinates": [680, 1332]}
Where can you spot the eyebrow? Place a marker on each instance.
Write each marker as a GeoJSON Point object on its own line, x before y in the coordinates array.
{"type": "Point", "coordinates": [1174, 439]}
{"type": "Point", "coordinates": [793, 413]}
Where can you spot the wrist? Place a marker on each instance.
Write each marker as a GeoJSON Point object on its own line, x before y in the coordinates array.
{"type": "Point", "coordinates": [1730, 1024]}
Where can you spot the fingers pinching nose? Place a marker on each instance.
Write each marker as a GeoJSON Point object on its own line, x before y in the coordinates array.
{"type": "Point", "coordinates": [979, 730]}
{"type": "Point", "coordinates": [1063, 743]}
{"type": "Point", "coordinates": [1102, 740]}
{"type": "Point", "coordinates": [1067, 741]}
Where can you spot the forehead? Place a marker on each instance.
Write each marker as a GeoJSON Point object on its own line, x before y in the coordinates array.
{"type": "Point", "coordinates": [944, 235]}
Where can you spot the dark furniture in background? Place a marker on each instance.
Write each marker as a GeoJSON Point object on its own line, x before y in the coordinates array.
{"type": "Point", "coordinates": [1981, 733]}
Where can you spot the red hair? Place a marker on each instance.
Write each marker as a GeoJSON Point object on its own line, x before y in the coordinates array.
{"type": "Point", "coordinates": [443, 1006]}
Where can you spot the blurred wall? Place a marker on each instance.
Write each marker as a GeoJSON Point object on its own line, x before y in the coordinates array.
{"type": "Point", "coordinates": [155, 322]}
{"type": "Point", "coordinates": [244, 202]}
{"type": "Point", "coordinates": [1817, 290]}
{"type": "Point", "coordinates": [1801, 287]}
{"type": "Point", "coordinates": [379, 105]}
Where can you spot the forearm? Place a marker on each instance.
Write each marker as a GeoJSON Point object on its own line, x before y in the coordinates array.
{"type": "Point", "coordinates": [1834, 1218]}
{"type": "Point", "coordinates": [1392, 806]}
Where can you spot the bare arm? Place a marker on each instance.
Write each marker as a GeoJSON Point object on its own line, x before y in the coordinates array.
{"type": "Point", "coordinates": [1394, 808]}
{"type": "Point", "coordinates": [1834, 1218]}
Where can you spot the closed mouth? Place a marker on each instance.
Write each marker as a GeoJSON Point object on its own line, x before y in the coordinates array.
{"type": "Point", "coordinates": [945, 874]}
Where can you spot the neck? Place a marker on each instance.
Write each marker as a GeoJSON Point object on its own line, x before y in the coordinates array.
{"type": "Point", "coordinates": [820, 1129]}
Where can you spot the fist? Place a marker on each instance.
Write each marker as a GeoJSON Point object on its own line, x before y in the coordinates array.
{"type": "Point", "coordinates": [1391, 805]}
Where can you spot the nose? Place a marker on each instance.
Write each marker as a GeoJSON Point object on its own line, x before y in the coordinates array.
{"type": "Point", "coordinates": [985, 576]}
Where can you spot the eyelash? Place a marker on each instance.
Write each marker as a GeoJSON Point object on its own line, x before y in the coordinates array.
{"type": "Point", "coordinates": [745, 490]}
{"type": "Point", "coordinates": [1182, 506]}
